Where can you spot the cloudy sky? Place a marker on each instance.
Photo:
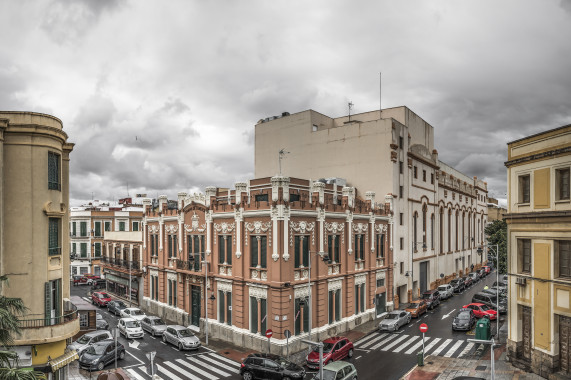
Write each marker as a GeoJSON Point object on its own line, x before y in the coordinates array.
{"type": "Point", "coordinates": [163, 96]}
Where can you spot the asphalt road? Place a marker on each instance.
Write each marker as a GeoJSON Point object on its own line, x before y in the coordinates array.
{"type": "Point", "coordinates": [377, 355]}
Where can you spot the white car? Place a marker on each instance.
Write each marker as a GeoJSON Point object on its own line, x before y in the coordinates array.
{"type": "Point", "coordinates": [446, 291]}
{"type": "Point", "coordinates": [133, 312]}
{"type": "Point", "coordinates": [131, 328]}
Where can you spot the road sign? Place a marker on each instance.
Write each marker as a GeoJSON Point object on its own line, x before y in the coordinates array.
{"type": "Point", "coordinates": [287, 333]}
{"type": "Point", "coordinates": [151, 355]}
{"type": "Point", "coordinates": [423, 327]}
{"type": "Point", "coordinates": [269, 333]}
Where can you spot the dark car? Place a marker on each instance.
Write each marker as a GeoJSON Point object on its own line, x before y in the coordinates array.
{"type": "Point", "coordinates": [98, 284]}
{"type": "Point", "coordinates": [467, 281]}
{"type": "Point", "coordinates": [115, 307]}
{"type": "Point", "coordinates": [464, 320]}
{"type": "Point", "coordinates": [101, 323]}
{"type": "Point", "coordinates": [98, 355]}
{"type": "Point", "coordinates": [269, 366]}
{"type": "Point", "coordinates": [458, 285]}
{"type": "Point", "coordinates": [432, 298]}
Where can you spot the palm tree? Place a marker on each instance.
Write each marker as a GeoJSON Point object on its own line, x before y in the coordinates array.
{"type": "Point", "coordinates": [10, 311]}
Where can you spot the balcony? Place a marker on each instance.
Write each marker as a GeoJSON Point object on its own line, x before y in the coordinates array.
{"type": "Point", "coordinates": [359, 264]}
{"type": "Point", "coordinates": [120, 263]}
{"type": "Point", "coordinates": [47, 330]}
{"type": "Point", "coordinates": [195, 266]}
{"type": "Point", "coordinates": [334, 268]}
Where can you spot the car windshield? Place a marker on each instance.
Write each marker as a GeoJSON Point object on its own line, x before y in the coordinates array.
{"type": "Point", "coordinates": [391, 316]}
{"type": "Point", "coordinates": [120, 304]}
{"type": "Point", "coordinates": [485, 308]}
{"type": "Point", "coordinates": [282, 362]}
{"type": "Point", "coordinates": [97, 349]}
{"type": "Point", "coordinates": [84, 339]}
{"type": "Point", "coordinates": [441, 288]}
{"type": "Point", "coordinates": [137, 312]}
{"type": "Point", "coordinates": [157, 322]}
{"type": "Point", "coordinates": [326, 347]}
{"type": "Point", "coordinates": [413, 306]}
{"type": "Point", "coordinates": [104, 295]}
{"type": "Point", "coordinates": [328, 375]}
{"type": "Point", "coordinates": [186, 333]}
{"type": "Point", "coordinates": [463, 315]}
{"type": "Point", "coordinates": [132, 324]}
{"type": "Point", "coordinates": [426, 296]}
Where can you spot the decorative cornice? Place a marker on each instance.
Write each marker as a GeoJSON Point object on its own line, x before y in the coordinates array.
{"type": "Point", "coordinates": [302, 227]}
{"type": "Point", "coordinates": [258, 292]}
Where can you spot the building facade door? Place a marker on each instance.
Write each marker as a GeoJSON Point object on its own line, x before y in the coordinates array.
{"type": "Point", "coordinates": [381, 303]}
{"type": "Point", "coordinates": [195, 306]}
{"type": "Point", "coordinates": [526, 331]}
{"type": "Point", "coordinates": [564, 343]}
{"type": "Point", "coordinates": [423, 276]}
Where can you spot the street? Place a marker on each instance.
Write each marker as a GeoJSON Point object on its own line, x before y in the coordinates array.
{"type": "Point", "coordinates": [390, 354]}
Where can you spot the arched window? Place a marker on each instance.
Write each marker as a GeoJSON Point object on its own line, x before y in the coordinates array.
{"type": "Point", "coordinates": [456, 229]}
{"type": "Point", "coordinates": [463, 229]}
{"type": "Point", "coordinates": [441, 229]}
{"type": "Point", "coordinates": [414, 226]}
{"type": "Point", "coordinates": [424, 225]}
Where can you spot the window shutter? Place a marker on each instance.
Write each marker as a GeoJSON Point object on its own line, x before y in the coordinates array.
{"type": "Point", "coordinates": [297, 317]}
{"type": "Point", "coordinates": [229, 308]}
{"type": "Point", "coordinates": [175, 245]}
{"type": "Point", "coordinates": [229, 249]}
{"type": "Point", "coordinates": [362, 298]}
{"type": "Point", "coordinates": [47, 303]}
{"type": "Point", "coordinates": [337, 305]}
{"type": "Point", "coordinates": [330, 247]}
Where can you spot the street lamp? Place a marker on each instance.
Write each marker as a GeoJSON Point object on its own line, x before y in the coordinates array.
{"type": "Point", "coordinates": [325, 257]}
{"type": "Point", "coordinates": [480, 252]}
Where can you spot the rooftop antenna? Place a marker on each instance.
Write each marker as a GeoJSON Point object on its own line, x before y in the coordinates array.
{"type": "Point", "coordinates": [281, 154]}
{"type": "Point", "coordinates": [350, 105]}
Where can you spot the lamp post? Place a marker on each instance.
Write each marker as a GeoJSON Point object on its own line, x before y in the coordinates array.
{"type": "Point", "coordinates": [481, 252]}
{"type": "Point", "coordinates": [325, 259]}
{"type": "Point", "coordinates": [492, 358]}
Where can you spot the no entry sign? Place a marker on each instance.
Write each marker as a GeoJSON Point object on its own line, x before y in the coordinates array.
{"type": "Point", "coordinates": [269, 333]}
{"type": "Point", "coordinates": [423, 327]}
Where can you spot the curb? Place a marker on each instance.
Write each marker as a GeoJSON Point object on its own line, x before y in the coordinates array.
{"type": "Point", "coordinates": [409, 372]}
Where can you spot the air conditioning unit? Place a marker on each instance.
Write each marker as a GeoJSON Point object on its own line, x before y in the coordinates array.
{"type": "Point", "coordinates": [520, 281]}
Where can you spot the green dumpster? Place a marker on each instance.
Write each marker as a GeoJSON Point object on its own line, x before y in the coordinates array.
{"type": "Point", "coordinates": [420, 359]}
{"type": "Point", "coordinates": [484, 329]}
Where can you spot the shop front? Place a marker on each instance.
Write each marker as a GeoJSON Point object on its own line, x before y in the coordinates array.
{"type": "Point", "coordinates": [118, 285]}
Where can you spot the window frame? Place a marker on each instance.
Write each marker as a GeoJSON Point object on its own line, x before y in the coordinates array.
{"type": "Point", "coordinates": [567, 245]}
{"type": "Point", "coordinates": [562, 185]}
{"type": "Point", "coordinates": [54, 231]}
{"type": "Point", "coordinates": [54, 173]}
{"type": "Point", "coordinates": [524, 188]}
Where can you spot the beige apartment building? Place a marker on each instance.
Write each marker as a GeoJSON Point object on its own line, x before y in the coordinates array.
{"type": "Point", "coordinates": [539, 252]}
{"type": "Point", "coordinates": [34, 236]}
{"type": "Point", "coordinates": [439, 212]}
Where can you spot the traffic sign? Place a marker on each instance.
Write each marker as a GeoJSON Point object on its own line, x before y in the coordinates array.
{"type": "Point", "coordinates": [269, 333]}
{"type": "Point", "coordinates": [287, 333]}
{"type": "Point", "coordinates": [423, 327]}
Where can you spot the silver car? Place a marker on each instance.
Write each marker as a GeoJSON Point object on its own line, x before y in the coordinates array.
{"type": "Point", "coordinates": [394, 320]}
{"type": "Point", "coordinates": [153, 325]}
{"type": "Point", "coordinates": [88, 339]}
{"type": "Point", "coordinates": [181, 337]}
{"type": "Point", "coordinates": [446, 291]}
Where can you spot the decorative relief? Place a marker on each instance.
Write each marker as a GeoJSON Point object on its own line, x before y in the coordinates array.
{"type": "Point", "coordinates": [171, 276]}
{"type": "Point", "coordinates": [360, 228]}
{"type": "Point", "coordinates": [333, 269]}
{"type": "Point", "coordinates": [153, 272]}
{"type": "Point", "coordinates": [225, 228]}
{"type": "Point", "coordinates": [301, 292]}
{"type": "Point", "coordinates": [258, 292]}
{"type": "Point", "coordinates": [335, 228]}
{"type": "Point", "coordinates": [301, 227]}
{"type": "Point", "coordinates": [154, 229]}
{"type": "Point", "coordinates": [194, 226]}
{"type": "Point", "coordinates": [222, 270]}
{"type": "Point", "coordinates": [259, 227]}
{"type": "Point", "coordinates": [171, 228]}
{"type": "Point", "coordinates": [381, 228]}
{"type": "Point", "coordinates": [334, 284]}
{"type": "Point", "coordinates": [224, 286]}
{"type": "Point", "coordinates": [360, 279]}
{"type": "Point", "coordinates": [380, 275]}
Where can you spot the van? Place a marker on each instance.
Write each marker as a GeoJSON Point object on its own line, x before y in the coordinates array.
{"type": "Point", "coordinates": [491, 301]}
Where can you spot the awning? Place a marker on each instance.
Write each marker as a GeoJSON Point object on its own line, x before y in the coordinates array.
{"type": "Point", "coordinates": [63, 360]}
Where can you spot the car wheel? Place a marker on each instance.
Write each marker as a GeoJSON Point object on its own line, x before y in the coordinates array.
{"type": "Point", "coordinates": [100, 366]}
{"type": "Point", "coordinates": [122, 355]}
{"type": "Point", "coordinates": [164, 339]}
{"type": "Point", "coordinates": [247, 376]}
{"type": "Point", "coordinates": [180, 348]}
{"type": "Point", "coordinates": [396, 327]}
{"type": "Point", "coordinates": [350, 353]}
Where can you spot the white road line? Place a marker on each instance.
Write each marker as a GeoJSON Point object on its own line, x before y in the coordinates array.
{"type": "Point", "coordinates": [183, 371]}
{"type": "Point", "coordinates": [441, 347]}
{"type": "Point", "coordinates": [402, 346]}
{"type": "Point", "coordinates": [454, 348]}
{"type": "Point", "coordinates": [363, 340]}
{"type": "Point", "coordinates": [391, 345]}
{"type": "Point", "coordinates": [432, 344]}
{"type": "Point", "coordinates": [219, 362]}
{"type": "Point", "coordinates": [134, 375]}
{"type": "Point", "coordinates": [416, 346]}
{"type": "Point", "coordinates": [198, 370]}
{"type": "Point", "coordinates": [207, 362]}
{"type": "Point", "coordinates": [136, 358]}
{"type": "Point", "coordinates": [380, 336]}
{"type": "Point", "coordinates": [87, 299]}
{"type": "Point", "coordinates": [357, 357]}
{"type": "Point", "coordinates": [171, 375]}
{"type": "Point", "coordinates": [466, 350]}
{"type": "Point", "coordinates": [390, 337]}
{"type": "Point", "coordinates": [223, 358]}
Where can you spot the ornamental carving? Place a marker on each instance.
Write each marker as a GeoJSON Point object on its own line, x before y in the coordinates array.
{"type": "Point", "coordinates": [302, 227]}
{"type": "Point", "coordinates": [171, 228]}
{"type": "Point", "coordinates": [335, 228]}
{"type": "Point", "coordinates": [224, 286]}
{"type": "Point", "coordinates": [259, 227]}
{"type": "Point", "coordinates": [334, 285]}
{"type": "Point", "coordinates": [380, 275]}
{"type": "Point", "coordinates": [360, 228]}
{"type": "Point", "coordinates": [225, 228]}
{"type": "Point", "coordinates": [258, 292]}
{"type": "Point", "coordinates": [380, 228]}
{"type": "Point", "coordinates": [301, 292]}
{"type": "Point", "coordinates": [360, 279]}
{"type": "Point", "coordinates": [195, 225]}
{"type": "Point", "coordinates": [171, 276]}
{"type": "Point", "coordinates": [154, 229]}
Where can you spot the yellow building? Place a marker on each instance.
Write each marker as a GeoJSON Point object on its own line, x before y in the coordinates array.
{"type": "Point", "coordinates": [34, 236]}
{"type": "Point", "coordinates": [539, 246]}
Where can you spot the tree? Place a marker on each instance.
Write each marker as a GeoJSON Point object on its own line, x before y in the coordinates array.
{"type": "Point", "coordinates": [10, 311]}
{"type": "Point", "coordinates": [497, 233]}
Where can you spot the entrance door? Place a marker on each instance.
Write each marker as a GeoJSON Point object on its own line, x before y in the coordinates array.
{"type": "Point", "coordinates": [564, 343]}
{"type": "Point", "coordinates": [423, 276]}
{"type": "Point", "coordinates": [195, 300]}
{"type": "Point", "coordinates": [381, 303]}
{"type": "Point", "coordinates": [526, 331]}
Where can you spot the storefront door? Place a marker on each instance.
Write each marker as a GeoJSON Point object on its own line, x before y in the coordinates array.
{"type": "Point", "coordinates": [195, 300]}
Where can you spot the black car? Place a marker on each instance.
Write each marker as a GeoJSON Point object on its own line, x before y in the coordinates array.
{"type": "Point", "coordinates": [269, 366]}
{"type": "Point", "coordinates": [101, 323]}
{"type": "Point", "coordinates": [464, 320]}
{"type": "Point", "coordinates": [115, 307]}
{"type": "Point", "coordinates": [99, 354]}
{"type": "Point", "coordinates": [458, 285]}
{"type": "Point", "coordinates": [467, 281]}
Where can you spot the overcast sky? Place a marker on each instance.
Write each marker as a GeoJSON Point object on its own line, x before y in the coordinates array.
{"type": "Point", "coordinates": [163, 96]}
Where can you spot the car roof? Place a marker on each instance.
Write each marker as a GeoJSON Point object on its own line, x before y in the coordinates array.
{"type": "Point", "coordinates": [153, 317]}
{"type": "Point", "coordinates": [336, 366]}
{"type": "Point", "coordinates": [177, 327]}
{"type": "Point", "coordinates": [96, 332]}
{"type": "Point", "coordinates": [127, 319]}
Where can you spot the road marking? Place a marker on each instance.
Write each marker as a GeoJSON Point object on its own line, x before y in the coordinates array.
{"type": "Point", "coordinates": [135, 357]}
{"type": "Point", "coordinates": [454, 348]}
{"type": "Point", "coordinates": [466, 350]}
{"type": "Point", "coordinates": [198, 370]}
{"type": "Point", "coordinates": [168, 373]}
{"type": "Point", "coordinates": [391, 345]}
{"type": "Point", "coordinates": [363, 340]}
{"type": "Point", "coordinates": [218, 361]}
{"type": "Point", "coordinates": [447, 315]}
{"type": "Point", "coordinates": [229, 361]}
{"type": "Point", "coordinates": [87, 299]}
{"type": "Point", "coordinates": [441, 347]}
{"type": "Point", "coordinates": [362, 349]}
{"type": "Point", "coordinates": [432, 344]}
{"type": "Point", "coordinates": [183, 371]}
{"type": "Point", "coordinates": [134, 375]}
{"type": "Point", "coordinates": [390, 337]}
{"type": "Point", "coordinates": [357, 357]}
{"type": "Point", "coordinates": [413, 348]}
{"type": "Point", "coordinates": [208, 365]}
{"type": "Point", "coordinates": [412, 339]}
{"type": "Point", "coordinates": [380, 336]}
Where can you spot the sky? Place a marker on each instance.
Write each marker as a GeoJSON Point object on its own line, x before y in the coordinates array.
{"type": "Point", "coordinates": [162, 96]}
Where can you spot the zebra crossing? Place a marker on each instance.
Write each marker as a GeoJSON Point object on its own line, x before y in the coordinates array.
{"type": "Point", "coordinates": [411, 344]}
{"type": "Point", "coordinates": [207, 366]}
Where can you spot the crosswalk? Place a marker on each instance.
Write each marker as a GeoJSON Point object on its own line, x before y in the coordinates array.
{"type": "Point", "coordinates": [411, 344]}
{"type": "Point", "coordinates": [207, 366]}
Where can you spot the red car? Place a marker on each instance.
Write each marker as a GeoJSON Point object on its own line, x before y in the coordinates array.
{"type": "Point", "coordinates": [487, 269]}
{"type": "Point", "coordinates": [482, 311]}
{"type": "Point", "coordinates": [335, 348]}
{"type": "Point", "coordinates": [100, 298]}
{"type": "Point", "coordinates": [79, 280]}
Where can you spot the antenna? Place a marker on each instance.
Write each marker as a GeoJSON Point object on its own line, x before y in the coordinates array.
{"type": "Point", "coordinates": [281, 154]}
{"type": "Point", "coordinates": [350, 105]}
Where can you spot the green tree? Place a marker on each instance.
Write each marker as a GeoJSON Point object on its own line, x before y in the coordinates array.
{"type": "Point", "coordinates": [10, 311]}
{"type": "Point", "coordinates": [497, 233]}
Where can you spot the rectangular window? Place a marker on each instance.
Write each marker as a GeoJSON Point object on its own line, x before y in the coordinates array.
{"type": "Point", "coordinates": [524, 182]}
{"type": "Point", "coordinates": [359, 298]}
{"type": "Point", "coordinates": [73, 229]}
{"type": "Point", "coordinates": [98, 229]}
{"type": "Point", "coordinates": [401, 243]}
{"type": "Point", "coordinates": [401, 218]}
{"type": "Point", "coordinates": [380, 245]}
{"type": "Point", "coordinates": [334, 306]}
{"type": "Point", "coordinates": [97, 249]}
{"type": "Point", "coordinates": [301, 316]}
{"type": "Point", "coordinates": [83, 229]}
{"type": "Point", "coordinates": [221, 301]}
{"type": "Point", "coordinates": [135, 226]}
{"type": "Point", "coordinates": [54, 171]}
{"type": "Point", "coordinates": [432, 178]}
{"type": "Point", "coordinates": [564, 247]}
{"type": "Point", "coordinates": [225, 249]}
{"type": "Point", "coordinates": [424, 175]}
{"type": "Point", "coordinates": [415, 171]}
{"type": "Point", "coordinates": [401, 192]}
{"type": "Point", "coordinates": [294, 197]}
{"type": "Point", "coordinates": [172, 292]}
{"type": "Point", "coordinates": [253, 315]}
{"type": "Point", "coordinates": [359, 247]}
{"type": "Point", "coordinates": [121, 226]}
{"type": "Point", "coordinates": [333, 247]}
{"type": "Point", "coordinates": [401, 142]}
{"type": "Point", "coordinates": [562, 186]}
{"type": "Point", "coordinates": [261, 198]}
{"type": "Point", "coordinates": [380, 282]}
{"type": "Point", "coordinates": [258, 247]}
{"type": "Point", "coordinates": [401, 167]}
{"type": "Point", "coordinates": [107, 226]}
{"type": "Point", "coordinates": [402, 267]}
{"type": "Point", "coordinates": [229, 308]}
{"type": "Point", "coordinates": [301, 255]}
{"type": "Point", "coordinates": [524, 248]}
{"type": "Point", "coordinates": [53, 238]}
{"type": "Point", "coordinates": [83, 250]}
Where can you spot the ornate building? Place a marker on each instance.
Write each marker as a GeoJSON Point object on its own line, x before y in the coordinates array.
{"type": "Point", "coordinates": [271, 247]}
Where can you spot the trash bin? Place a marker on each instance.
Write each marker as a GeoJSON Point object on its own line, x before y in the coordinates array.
{"type": "Point", "coordinates": [484, 329]}
{"type": "Point", "coordinates": [420, 359]}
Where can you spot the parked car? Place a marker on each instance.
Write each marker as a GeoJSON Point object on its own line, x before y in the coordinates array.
{"type": "Point", "coordinates": [491, 301]}
{"type": "Point", "coordinates": [467, 281]}
{"type": "Point", "coordinates": [481, 272]}
{"type": "Point", "coordinates": [100, 298]}
{"type": "Point", "coordinates": [474, 276]}
{"type": "Point", "coordinates": [133, 312]}
{"type": "Point", "coordinates": [394, 320]}
{"type": "Point", "coordinates": [101, 323]}
{"type": "Point", "coordinates": [88, 339]}
{"type": "Point", "coordinates": [338, 371]}
{"type": "Point", "coordinates": [99, 284]}
{"type": "Point", "coordinates": [97, 356]}
{"type": "Point", "coordinates": [130, 327]}
{"type": "Point", "coordinates": [432, 298]}
{"type": "Point", "coordinates": [446, 291]}
{"type": "Point", "coordinates": [458, 285]}
{"type": "Point", "coordinates": [502, 283]}
{"type": "Point", "coordinates": [482, 311]}
{"type": "Point", "coordinates": [335, 348]}
{"type": "Point", "coordinates": [79, 280]}
{"type": "Point", "coordinates": [488, 269]}
{"type": "Point", "coordinates": [181, 337]}
{"type": "Point", "coordinates": [269, 366]}
{"type": "Point", "coordinates": [154, 325]}
{"type": "Point", "coordinates": [416, 308]}
{"type": "Point", "coordinates": [116, 306]}
{"type": "Point", "coordinates": [501, 290]}
{"type": "Point", "coordinates": [464, 320]}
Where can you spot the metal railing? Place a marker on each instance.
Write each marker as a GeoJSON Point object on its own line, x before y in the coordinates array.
{"type": "Point", "coordinates": [189, 265]}
{"type": "Point", "coordinates": [69, 316]}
